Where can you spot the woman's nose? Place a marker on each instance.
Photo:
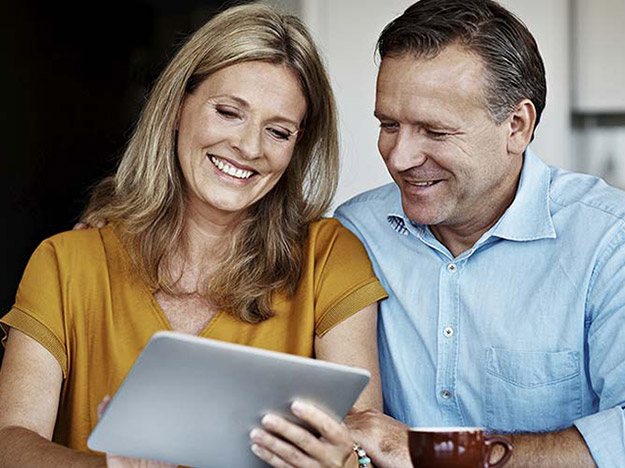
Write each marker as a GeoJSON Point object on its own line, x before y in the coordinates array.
{"type": "Point", "coordinates": [247, 140]}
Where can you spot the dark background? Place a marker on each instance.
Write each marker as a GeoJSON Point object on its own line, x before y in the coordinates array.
{"type": "Point", "coordinates": [73, 81]}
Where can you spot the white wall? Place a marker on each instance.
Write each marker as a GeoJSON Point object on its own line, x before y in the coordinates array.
{"type": "Point", "coordinates": [346, 31]}
{"type": "Point", "coordinates": [548, 20]}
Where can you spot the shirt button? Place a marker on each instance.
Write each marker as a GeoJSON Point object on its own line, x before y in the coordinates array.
{"type": "Point", "coordinates": [446, 394]}
{"type": "Point", "coordinates": [451, 267]}
{"type": "Point", "coordinates": [448, 332]}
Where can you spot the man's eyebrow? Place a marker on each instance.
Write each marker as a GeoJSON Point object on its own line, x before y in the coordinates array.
{"type": "Point", "coordinates": [428, 123]}
{"type": "Point", "coordinates": [380, 116]}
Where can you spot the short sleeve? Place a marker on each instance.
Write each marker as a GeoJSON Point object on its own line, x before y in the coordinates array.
{"type": "Point", "coordinates": [344, 279]}
{"type": "Point", "coordinates": [38, 308]}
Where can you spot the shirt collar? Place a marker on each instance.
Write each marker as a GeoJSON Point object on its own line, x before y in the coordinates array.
{"type": "Point", "coordinates": [527, 218]}
{"type": "Point", "coordinates": [398, 220]}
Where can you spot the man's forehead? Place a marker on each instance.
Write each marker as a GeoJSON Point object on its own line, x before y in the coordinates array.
{"type": "Point", "coordinates": [453, 61]}
{"type": "Point", "coordinates": [454, 73]}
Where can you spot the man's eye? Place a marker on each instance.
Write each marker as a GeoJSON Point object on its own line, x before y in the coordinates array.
{"type": "Point", "coordinates": [280, 134]}
{"type": "Point", "coordinates": [227, 112]}
{"type": "Point", "coordinates": [389, 126]}
{"type": "Point", "coordinates": [436, 134]}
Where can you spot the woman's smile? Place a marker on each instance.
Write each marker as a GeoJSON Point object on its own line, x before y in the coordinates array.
{"type": "Point", "coordinates": [236, 135]}
{"type": "Point", "coordinates": [231, 169]}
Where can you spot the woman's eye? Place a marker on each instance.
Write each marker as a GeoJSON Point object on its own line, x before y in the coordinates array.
{"type": "Point", "coordinates": [280, 134]}
{"type": "Point", "coordinates": [227, 112]}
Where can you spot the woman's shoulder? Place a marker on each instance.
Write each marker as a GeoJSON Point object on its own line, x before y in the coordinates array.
{"type": "Point", "coordinates": [76, 239]}
{"type": "Point", "coordinates": [328, 228]}
{"type": "Point", "coordinates": [78, 247]}
{"type": "Point", "coordinates": [329, 233]}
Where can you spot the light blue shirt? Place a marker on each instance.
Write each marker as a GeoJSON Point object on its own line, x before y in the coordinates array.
{"type": "Point", "coordinates": [525, 331]}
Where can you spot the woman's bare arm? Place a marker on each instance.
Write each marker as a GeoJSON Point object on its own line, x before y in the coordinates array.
{"type": "Point", "coordinates": [30, 385]}
{"type": "Point", "coordinates": [354, 342]}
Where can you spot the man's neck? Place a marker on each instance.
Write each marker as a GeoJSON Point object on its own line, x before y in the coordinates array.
{"type": "Point", "coordinates": [460, 237]}
{"type": "Point", "coordinates": [460, 240]}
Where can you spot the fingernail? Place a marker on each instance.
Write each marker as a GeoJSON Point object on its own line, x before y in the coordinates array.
{"type": "Point", "coordinates": [268, 420]}
{"type": "Point", "coordinates": [256, 449]}
{"type": "Point", "coordinates": [255, 435]}
{"type": "Point", "coordinates": [298, 407]}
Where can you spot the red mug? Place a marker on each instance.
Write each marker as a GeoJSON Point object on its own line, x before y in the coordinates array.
{"type": "Point", "coordinates": [447, 447]}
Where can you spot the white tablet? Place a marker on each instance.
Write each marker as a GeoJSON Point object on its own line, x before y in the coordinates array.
{"type": "Point", "coordinates": [193, 401]}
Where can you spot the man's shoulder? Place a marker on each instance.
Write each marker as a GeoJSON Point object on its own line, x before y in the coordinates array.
{"type": "Point", "coordinates": [380, 200]}
{"type": "Point", "coordinates": [590, 194]}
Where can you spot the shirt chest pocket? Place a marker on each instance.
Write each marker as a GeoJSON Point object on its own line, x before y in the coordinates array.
{"type": "Point", "coordinates": [532, 391]}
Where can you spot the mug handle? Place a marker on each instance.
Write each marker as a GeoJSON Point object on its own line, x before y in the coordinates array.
{"type": "Point", "coordinates": [490, 441]}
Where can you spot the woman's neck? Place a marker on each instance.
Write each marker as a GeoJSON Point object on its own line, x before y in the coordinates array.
{"type": "Point", "coordinates": [205, 239]}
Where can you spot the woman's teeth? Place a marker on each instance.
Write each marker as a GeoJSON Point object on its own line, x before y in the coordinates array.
{"type": "Point", "coordinates": [231, 170]}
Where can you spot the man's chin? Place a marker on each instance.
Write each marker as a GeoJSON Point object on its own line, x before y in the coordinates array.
{"type": "Point", "coordinates": [420, 217]}
{"type": "Point", "coordinates": [423, 213]}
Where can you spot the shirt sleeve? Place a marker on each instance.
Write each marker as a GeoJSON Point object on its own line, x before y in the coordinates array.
{"type": "Point", "coordinates": [38, 309]}
{"type": "Point", "coordinates": [344, 280]}
{"type": "Point", "coordinates": [604, 432]}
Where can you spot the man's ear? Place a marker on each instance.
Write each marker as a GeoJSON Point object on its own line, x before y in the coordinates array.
{"type": "Point", "coordinates": [521, 123]}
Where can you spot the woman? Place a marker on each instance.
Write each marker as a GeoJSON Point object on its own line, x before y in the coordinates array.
{"type": "Point", "coordinates": [214, 228]}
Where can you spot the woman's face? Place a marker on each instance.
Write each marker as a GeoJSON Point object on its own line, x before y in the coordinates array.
{"type": "Point", "coordinates": [236, 136]}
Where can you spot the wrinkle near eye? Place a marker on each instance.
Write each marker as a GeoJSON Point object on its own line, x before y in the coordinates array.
{"type": "Point", "coordinates": [228, 112]}
{"type": "Point", "coordinates": [281, 135]}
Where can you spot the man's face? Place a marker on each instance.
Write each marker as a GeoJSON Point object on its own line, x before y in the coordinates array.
{"type": "Point", "coordinates": [440, 144]}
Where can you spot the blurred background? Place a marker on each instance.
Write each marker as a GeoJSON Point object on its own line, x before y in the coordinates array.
{"type": "Point", "coordinates": [74, 82]}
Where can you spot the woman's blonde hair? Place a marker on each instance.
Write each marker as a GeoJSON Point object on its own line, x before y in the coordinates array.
{"type": "Point", "coordinates": [146, 197]}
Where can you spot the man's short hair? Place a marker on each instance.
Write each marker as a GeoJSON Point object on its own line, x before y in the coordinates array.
{"type": "Point", "coordinates": [514, 67]}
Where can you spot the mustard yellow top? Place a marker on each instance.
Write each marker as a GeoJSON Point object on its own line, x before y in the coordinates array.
{"type": "Point", "coordinates": [81, 299]}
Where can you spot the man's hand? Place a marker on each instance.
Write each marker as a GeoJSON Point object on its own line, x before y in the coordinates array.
{"type": "Point", "coordinates": [385, 439]}
{"type": "Point", "coordinates": [80, 225]}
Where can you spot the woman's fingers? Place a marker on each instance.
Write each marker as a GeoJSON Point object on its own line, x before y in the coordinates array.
{"type": "Point", "coordinates": [295, 434]}
{"type": "Point", "coordinates": [329, 428]}
{"type": "Point", "coordinates": [283, 443]}
{"type": "Point", "coordinates": [276, 452]}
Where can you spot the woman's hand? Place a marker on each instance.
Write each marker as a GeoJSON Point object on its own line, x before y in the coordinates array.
{"type": "Point", "coordinates": [297, 447]}
{"type": "Point", "coordinates": [117, 461]}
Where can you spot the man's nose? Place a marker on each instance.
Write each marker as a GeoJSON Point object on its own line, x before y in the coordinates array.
{"type": "Point", "coordinates": [248, 140]}
{"type": "Point", "coordinates": [406, 150]}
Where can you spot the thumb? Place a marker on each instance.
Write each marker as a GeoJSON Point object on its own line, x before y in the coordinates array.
{"type": "Point", "coordinates": [103, 405]}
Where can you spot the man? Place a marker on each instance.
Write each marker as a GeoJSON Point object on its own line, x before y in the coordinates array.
{"type": "Point", "coordinates": [506, 277]}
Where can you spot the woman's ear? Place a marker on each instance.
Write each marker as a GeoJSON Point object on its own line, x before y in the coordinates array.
{"type": "Point", "coordinates": [521, 122]}
{"type": "Point", "coordinates": [300, 132]}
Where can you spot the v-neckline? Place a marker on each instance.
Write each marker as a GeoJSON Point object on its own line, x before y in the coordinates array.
{"type": "Point", "coordinates": [125, 269]}
{"type": "Point", "coordinates": [158, 310]}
